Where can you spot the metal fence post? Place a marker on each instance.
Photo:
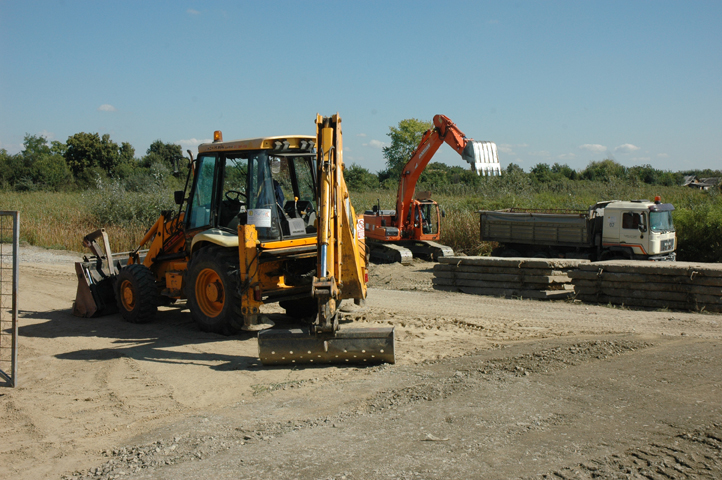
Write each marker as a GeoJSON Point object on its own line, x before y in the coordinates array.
{"type": "Point", "coordinates": [9, 326]}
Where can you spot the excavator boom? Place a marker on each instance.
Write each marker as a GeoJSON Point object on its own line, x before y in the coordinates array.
{"type": "Point", "coordinates": [482, 156]}
{"type": "Point", "coordinates": [414, 228]}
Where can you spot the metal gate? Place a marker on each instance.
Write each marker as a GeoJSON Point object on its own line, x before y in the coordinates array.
{"type": "Point", "coordinates": [9, 274]}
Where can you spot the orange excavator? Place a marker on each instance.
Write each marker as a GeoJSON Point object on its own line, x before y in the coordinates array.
{"type": "Point", "coordinates": [413, 229]}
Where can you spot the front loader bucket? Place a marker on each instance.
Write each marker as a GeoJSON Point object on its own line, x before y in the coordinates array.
{"type": "Point", "coordinates": [483, 157]}
{"type": "Point", "coordinates": [347, 346]}
{"type": "Point", "coordinates": [96, 294]}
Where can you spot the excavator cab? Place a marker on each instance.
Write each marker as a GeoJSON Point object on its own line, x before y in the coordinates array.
{"type": "Point", "coordinates": [426, 218]}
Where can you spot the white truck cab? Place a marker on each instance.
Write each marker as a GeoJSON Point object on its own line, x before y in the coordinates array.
{"type": "Point", "coordinates": [641, 228]}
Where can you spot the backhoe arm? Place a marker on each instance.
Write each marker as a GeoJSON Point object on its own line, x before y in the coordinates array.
{"type": "Point", "coordinates": [341, 267]}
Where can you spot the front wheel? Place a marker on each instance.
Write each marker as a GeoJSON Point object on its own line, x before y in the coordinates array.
{"type": "Point", "coordinates": [136, 294]}
{"type": "Point", "coordinates": [212, 290]}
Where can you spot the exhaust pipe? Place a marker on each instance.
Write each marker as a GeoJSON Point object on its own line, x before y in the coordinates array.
{"type": "Point", "coordinates": [297, 346]}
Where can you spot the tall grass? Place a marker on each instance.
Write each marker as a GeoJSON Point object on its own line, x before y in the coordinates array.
{"type": "Point", "coordinates": [698, 214]}
{"type": "Point", "coordinates": [60, 220]}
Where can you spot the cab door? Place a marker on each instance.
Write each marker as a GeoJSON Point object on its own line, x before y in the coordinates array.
{"type": "Point", "coordinates": [630, 232]}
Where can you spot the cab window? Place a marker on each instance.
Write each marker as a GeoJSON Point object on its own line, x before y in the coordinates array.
{"type": "Point", "coordinates": [201, 203]}
{"type": "Point", "coordinates": [632, 221]}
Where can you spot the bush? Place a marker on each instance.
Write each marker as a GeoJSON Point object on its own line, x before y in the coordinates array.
{"type": "Point", "coordinates": [112, 204]}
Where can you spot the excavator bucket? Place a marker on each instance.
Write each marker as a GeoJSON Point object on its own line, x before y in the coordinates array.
{"type": "Point", "coordinates": [352, 346]}
{"type": "Point", "coordinates": [483, 157]}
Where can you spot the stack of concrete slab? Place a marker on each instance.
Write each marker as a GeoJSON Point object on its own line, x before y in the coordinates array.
{"type": "Point", "coordinates": [539, 278]}
{"type": "Point", "coordinates": [674, 285]}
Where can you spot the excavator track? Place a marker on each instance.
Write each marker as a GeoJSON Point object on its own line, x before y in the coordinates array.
{"type": "Point", "coordinates": [382, 252]}
{"type": "Point", "coordinates": [428, 249]}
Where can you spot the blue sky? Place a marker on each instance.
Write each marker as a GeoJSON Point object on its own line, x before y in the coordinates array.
{"type": "Point", "coordinates": [567, 82]}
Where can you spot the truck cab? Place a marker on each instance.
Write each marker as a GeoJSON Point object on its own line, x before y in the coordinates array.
{"type": "Point", "coordinates": [637, 229]}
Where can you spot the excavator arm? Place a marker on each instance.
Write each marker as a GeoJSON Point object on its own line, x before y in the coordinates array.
{"type": "Point", "coordinates": [482, 156]}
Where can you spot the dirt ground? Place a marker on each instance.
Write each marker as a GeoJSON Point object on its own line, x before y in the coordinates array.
{"type": "Point", "coordinates": [483, 387]}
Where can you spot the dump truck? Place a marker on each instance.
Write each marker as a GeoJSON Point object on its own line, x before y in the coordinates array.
{"type": "Point", "coordinates": [261, 220]}
{"type": "Point", "coordinates": [413, 229]}
{"type": "Point", "coordinates": [613, 229]}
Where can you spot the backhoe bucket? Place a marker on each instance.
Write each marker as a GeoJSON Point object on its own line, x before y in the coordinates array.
{"type": "Point", "coordinates": [347, 346]}
{"type": "Point", "coordinates": [483, 157]}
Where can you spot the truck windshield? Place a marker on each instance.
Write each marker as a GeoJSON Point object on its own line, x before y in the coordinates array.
{"type": "Point", "coordinates": [661, 221]}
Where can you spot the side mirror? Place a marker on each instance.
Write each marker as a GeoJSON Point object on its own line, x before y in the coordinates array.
{"type": "Point", "coordinates": [642, 228]}
{"type": "Point", "coordinates": [443, 213]}
{"type": "Point", "coordinates": [178, 197]}
{"type": "Point", "coordinates": [375, 208]}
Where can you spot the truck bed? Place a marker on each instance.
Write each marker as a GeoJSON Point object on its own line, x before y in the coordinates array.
{"type": "Point", "coordinates": [535, 228]}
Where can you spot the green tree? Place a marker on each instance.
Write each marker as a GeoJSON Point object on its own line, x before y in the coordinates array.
{"type": "Point", "coordinates": [564, 171]}
{"type": "Point", "coordinates": [51, 172]}
{"type": "Point", "coordinates": [436, 174]}
{"type": "Point", "coordinates": [168, 154]}
{"type": "Point", "coordinates": [541, 173]}
{"type": "Point", "coordinates": [37, 166]}
{"type": "Point", "coordinates": [10, 167]}
{"type": "Point", "coordinates": [360, 179]}
{"type": "Point", "coordinates": [127, 153]}
{"type": "Point", "coordinates": [89, 150]}
{"type": "Point", "coordinates": [35, 147]}
{"type": "Point", "coordinates": [604, 171]}
{"type": "Point", "coordinates": [404, 140]}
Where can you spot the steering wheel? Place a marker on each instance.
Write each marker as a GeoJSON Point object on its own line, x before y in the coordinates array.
{"type": "Point", "coordinates": [237, 197]}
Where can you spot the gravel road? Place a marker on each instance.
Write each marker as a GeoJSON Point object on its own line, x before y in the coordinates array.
{"type": "Point", "coordinates": [483, 387]}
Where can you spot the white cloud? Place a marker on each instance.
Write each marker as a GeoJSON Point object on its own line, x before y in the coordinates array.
{"type": "Point", "coordinates": [626, 148]}
{"type": "Point", "coordinates": [193, 12]}
{"type": "Point", "coordinates": [193, 142]}
{"type": "Point", "coordinates": [662, 155]}
{"type": "Point", "coordinates": [505, 148]}
{"type": "Point", "coordinates": [375, 144]}
{"type": "Point", "coordinates": [47, 135]}
{"type": "Point", "coordinates": [508, 148]}
{"type": "Point", "coordinates": [566, 156]}
{"type": "Point", "coordinates": [593, 147]}
{"type": "Point", "coordinates": [540, 153]}
{"type": "Point", "coordinates": [106, 107]}
{"type": "Point", "coordinates": [360, 134]}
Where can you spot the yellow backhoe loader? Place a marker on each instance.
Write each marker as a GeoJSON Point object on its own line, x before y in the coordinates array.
{"type": "Point", "coordinates": [261, 220]}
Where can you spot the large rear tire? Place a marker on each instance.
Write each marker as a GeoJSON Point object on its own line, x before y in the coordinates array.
{"type": "Point", "coordinates": [136, 294]}
{"type": "Point", "coordinates": [212, 290]}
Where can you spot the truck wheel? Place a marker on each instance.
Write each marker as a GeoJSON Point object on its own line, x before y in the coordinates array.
{"type": "Point", "coordinates": [136, 294]}
{"type": "Point", "coordinates": [300, 308]}
{"type": "Point", "coordinates": [212, 290]}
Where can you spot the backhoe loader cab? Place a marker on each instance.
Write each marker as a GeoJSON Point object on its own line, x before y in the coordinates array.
{"type": "Point", "coordinates": [272, 188]}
